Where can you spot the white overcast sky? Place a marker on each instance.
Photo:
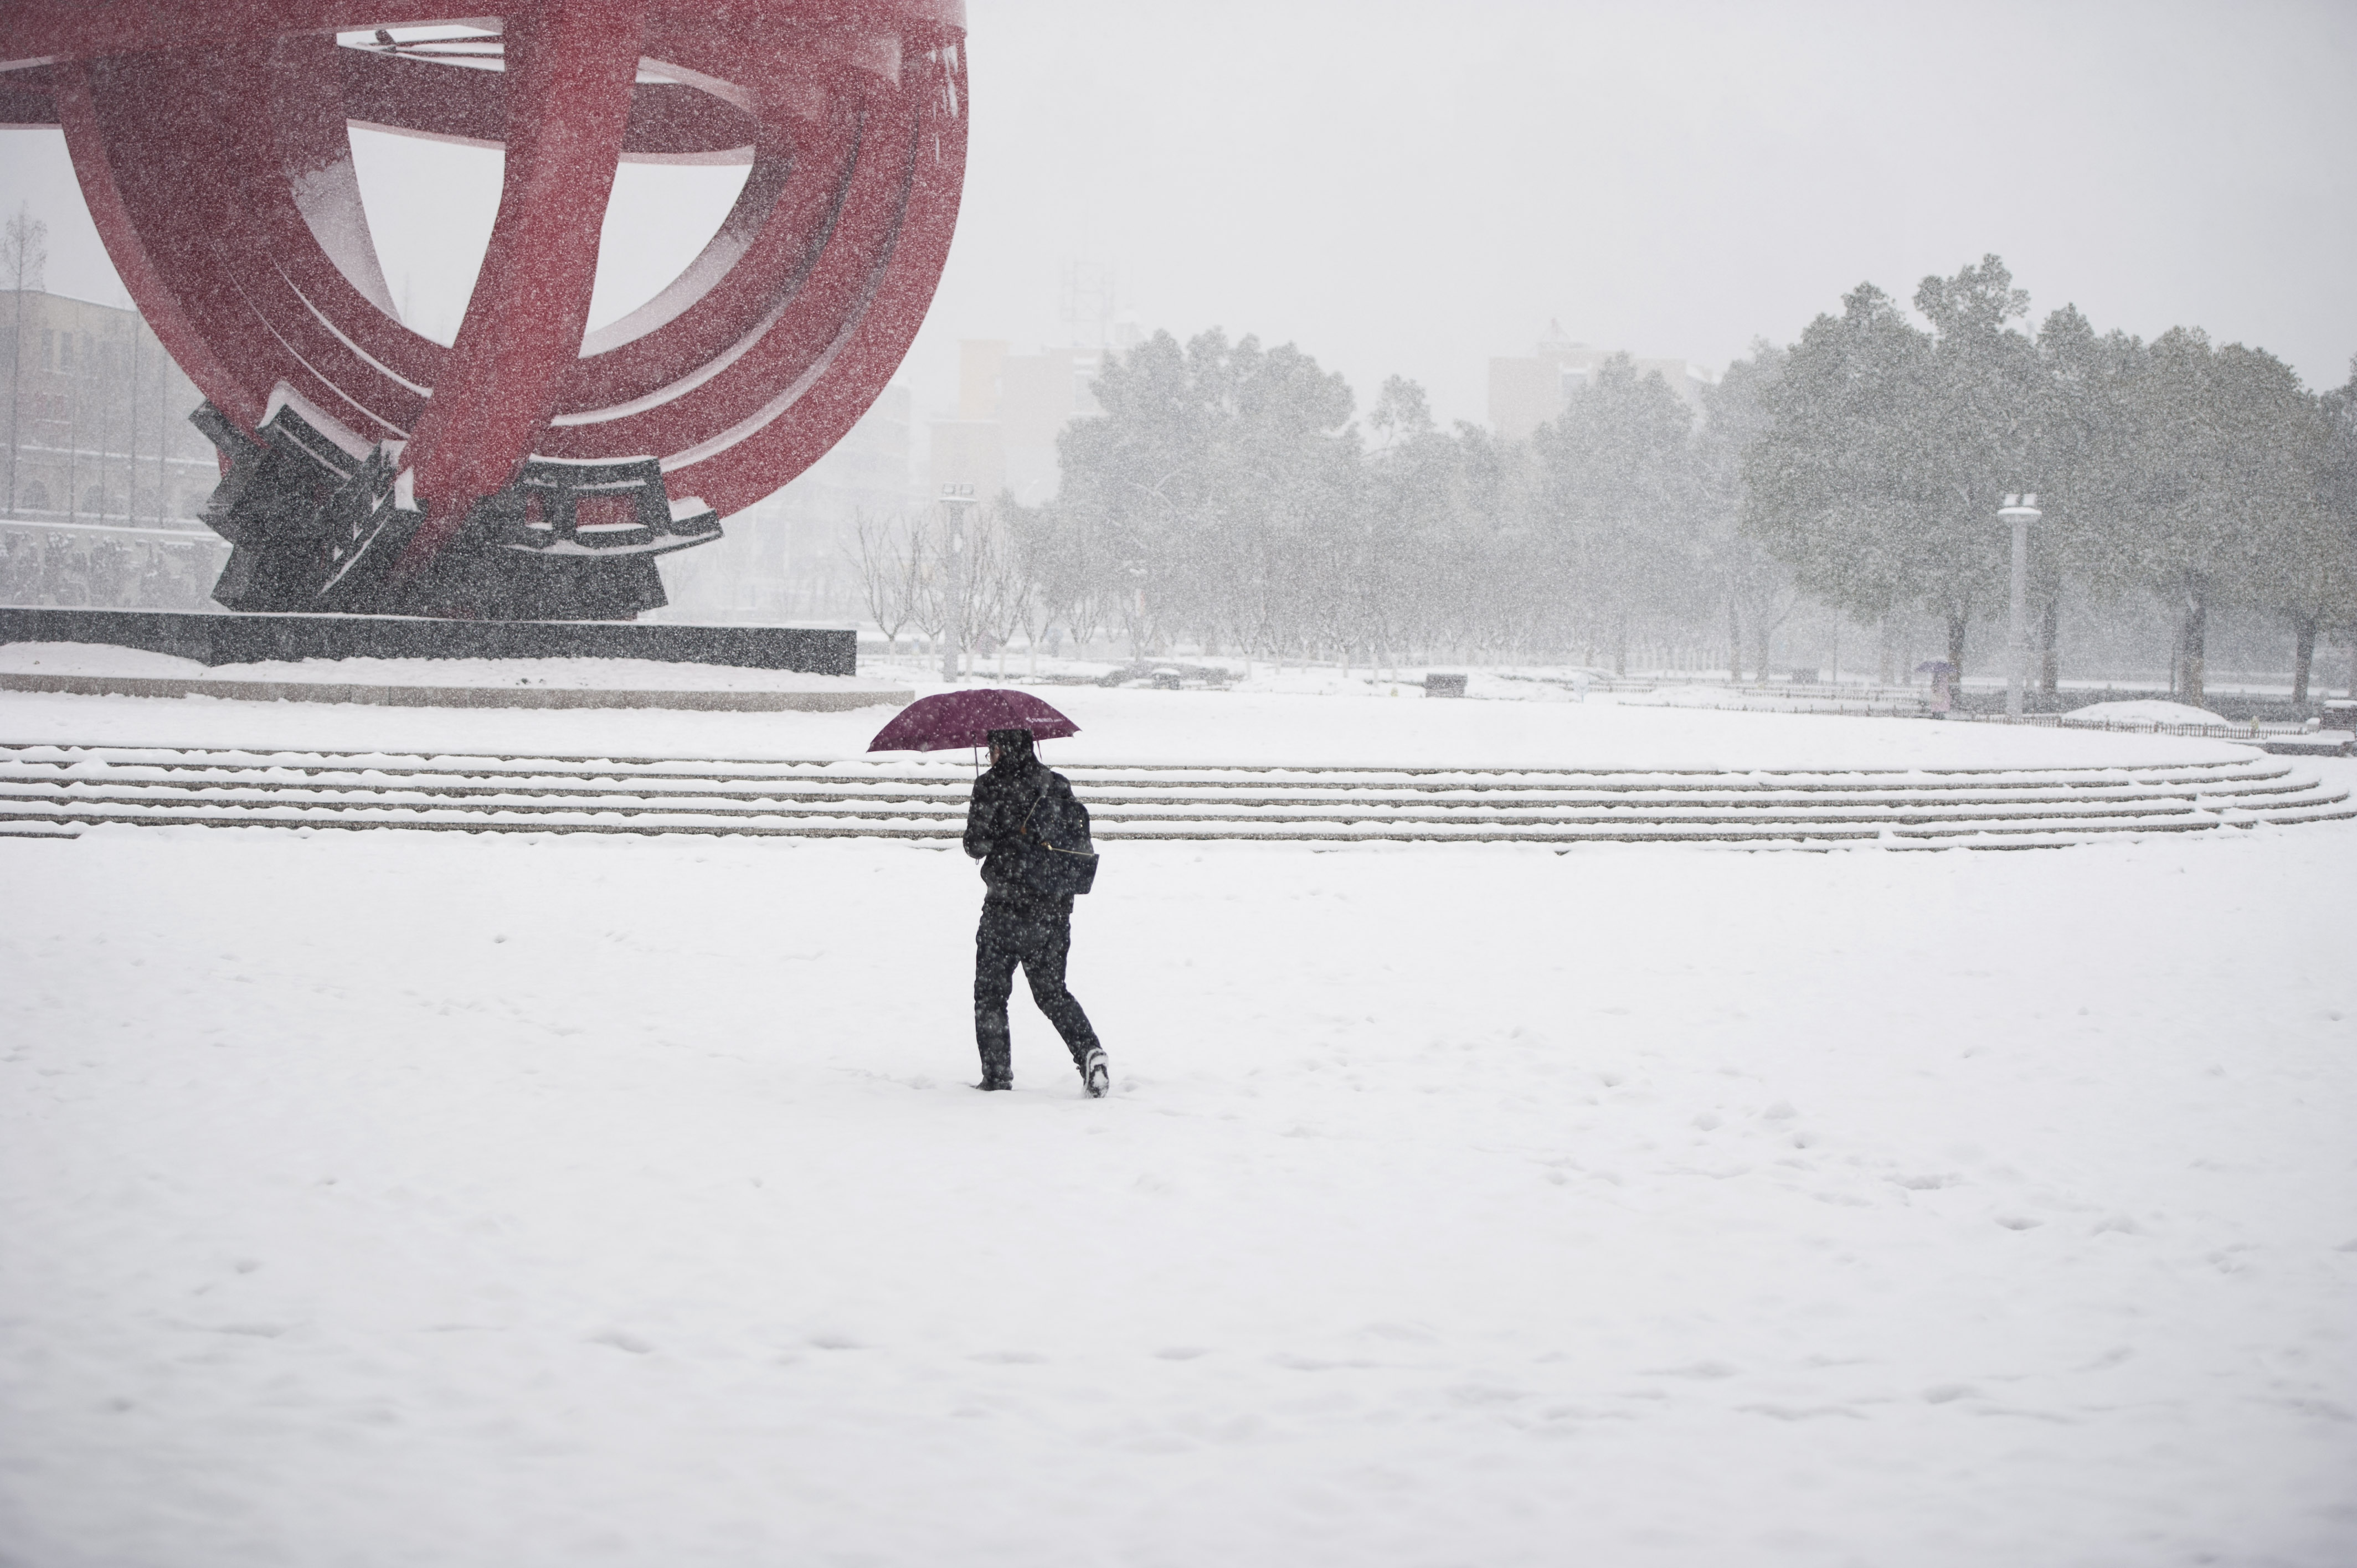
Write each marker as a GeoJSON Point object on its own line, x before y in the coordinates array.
{"type": "Point", "coordinates": [1413, 187]}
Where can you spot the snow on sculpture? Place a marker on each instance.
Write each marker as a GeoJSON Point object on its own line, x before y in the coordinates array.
{"type": "Point", "coordinates": [527, 470]}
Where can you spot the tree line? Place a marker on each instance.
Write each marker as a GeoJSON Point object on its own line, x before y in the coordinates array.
{"type": "Point", "coordinates": [1228, 497]}
{"type": "Point", "coordinates": [2184, 474]}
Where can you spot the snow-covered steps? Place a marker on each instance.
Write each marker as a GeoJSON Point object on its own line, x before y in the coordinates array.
{"type": "Point", "coordinates": [60, 790]}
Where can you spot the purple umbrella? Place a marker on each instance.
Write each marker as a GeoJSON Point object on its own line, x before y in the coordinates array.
{"type": "Point", "coordinates": [951, 720]}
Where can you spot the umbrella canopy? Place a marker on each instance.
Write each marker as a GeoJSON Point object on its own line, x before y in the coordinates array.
{"type": "Point", "coordinates": [950, 720]}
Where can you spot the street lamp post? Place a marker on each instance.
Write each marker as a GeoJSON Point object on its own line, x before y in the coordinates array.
{"type": "Point", "coordinates": [2020, 512]}
{"type": "Point", "coordinates": [959, 502]}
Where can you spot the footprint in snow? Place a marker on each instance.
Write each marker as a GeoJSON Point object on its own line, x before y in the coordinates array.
{"type": "Point", "coordinates": [1404, 1333]}
{"type": "Point", "coordinates": [1692, 1369]}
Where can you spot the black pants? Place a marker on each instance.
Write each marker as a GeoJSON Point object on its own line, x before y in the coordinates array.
{"type": "Point", "coordinates": [1039, 939]}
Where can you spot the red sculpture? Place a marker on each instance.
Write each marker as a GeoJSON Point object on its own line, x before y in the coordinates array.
{"type": "Point", "coordinates": [522, 471]}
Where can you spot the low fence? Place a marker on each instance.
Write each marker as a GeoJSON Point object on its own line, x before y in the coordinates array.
{"type": "Point", "coordinates": [2255, 733]}
{"type": "Point", "coordinates": [2278, 737]}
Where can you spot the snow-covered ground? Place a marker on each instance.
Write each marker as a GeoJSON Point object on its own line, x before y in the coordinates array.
{"type": "Point", "coordinates": [2147, 711]}
{"type": "Point", "coordinates": [399, 1199]}
{"type": "Point", "coordinates": [1134, 725]}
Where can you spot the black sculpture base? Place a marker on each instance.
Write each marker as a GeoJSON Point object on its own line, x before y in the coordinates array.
{"type": "Point", "coordinates": [318, 521]}
{"type": "Point", "coordinates": [211, 638]}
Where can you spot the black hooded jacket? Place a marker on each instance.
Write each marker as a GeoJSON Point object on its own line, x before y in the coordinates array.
{"type": "Point", "coordinates": [1016, 790]}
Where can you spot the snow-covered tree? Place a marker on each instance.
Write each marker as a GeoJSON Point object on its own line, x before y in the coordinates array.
{"type": "Point", "coordinates": [1621, 492]}
{"type": "Point", "coordinates": [2219, 471]}
{"type": "Point", "coordinates": [1755, 589]}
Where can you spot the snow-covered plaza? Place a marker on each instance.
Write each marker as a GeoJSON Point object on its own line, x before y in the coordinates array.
{"type": "Point", "coordinates": [396, 1199]}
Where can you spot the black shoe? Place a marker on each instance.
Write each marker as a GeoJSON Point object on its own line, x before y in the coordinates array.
{"type": "Point", "coordinates": [996, 1080]}
{"type": "Point", "coordinates": [1094, 1075]}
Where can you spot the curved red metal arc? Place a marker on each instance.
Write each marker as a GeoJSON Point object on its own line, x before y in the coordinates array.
{"type": "Point", "coordinates": [216, 164]}
{"type": "Point", "coordinates": [871, 347]}
{"type": "Point", "coordinates": [569, 68]}
{"type": "Point", "coordinates": [669, 120]}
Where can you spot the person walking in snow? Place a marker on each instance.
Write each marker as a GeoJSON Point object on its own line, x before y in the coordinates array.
{"type": "Point", "coordinates": [1032, 837]}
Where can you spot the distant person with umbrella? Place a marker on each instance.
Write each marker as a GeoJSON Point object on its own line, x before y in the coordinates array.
{"type": "Point", "coordinates": [1023, 822]}
{"type": "Point", "coordinates": [1031, 835]}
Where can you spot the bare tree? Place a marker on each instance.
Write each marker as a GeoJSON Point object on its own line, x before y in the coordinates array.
{"type": "Point", "coordinates": [1038, 615]}
{"type": "Point", "coordinates": [930, 598]}
{"type": "Point", "coordinates": [24, 256]}
{"type": "Point", "coordinates": [1064, 559]}
{"type": "Point", "coordinates": [1036, 547]}
{"type": "Point", "coordinates": [950, 586]}
{"type": "Point", "coordinates": [1004, 593]}
{"type": "Point", "coordinates": [890, 574]}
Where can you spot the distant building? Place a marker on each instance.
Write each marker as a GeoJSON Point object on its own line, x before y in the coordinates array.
{"type": "Point", "coordinates": [793, 556]}
{"type": "Point", "coordinates": [104, 474]}
{"type": "Point", "coordinates": [1526, 393]}
{"type": "Point", "coordinates": [1011, 407]}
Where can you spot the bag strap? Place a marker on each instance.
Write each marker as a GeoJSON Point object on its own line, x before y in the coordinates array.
{"type": "Point", "coordinates": [1043, 843]}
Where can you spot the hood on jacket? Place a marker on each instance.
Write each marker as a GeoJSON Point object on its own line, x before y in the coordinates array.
{"type": "Point", "coordinates": [1013, 748]}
